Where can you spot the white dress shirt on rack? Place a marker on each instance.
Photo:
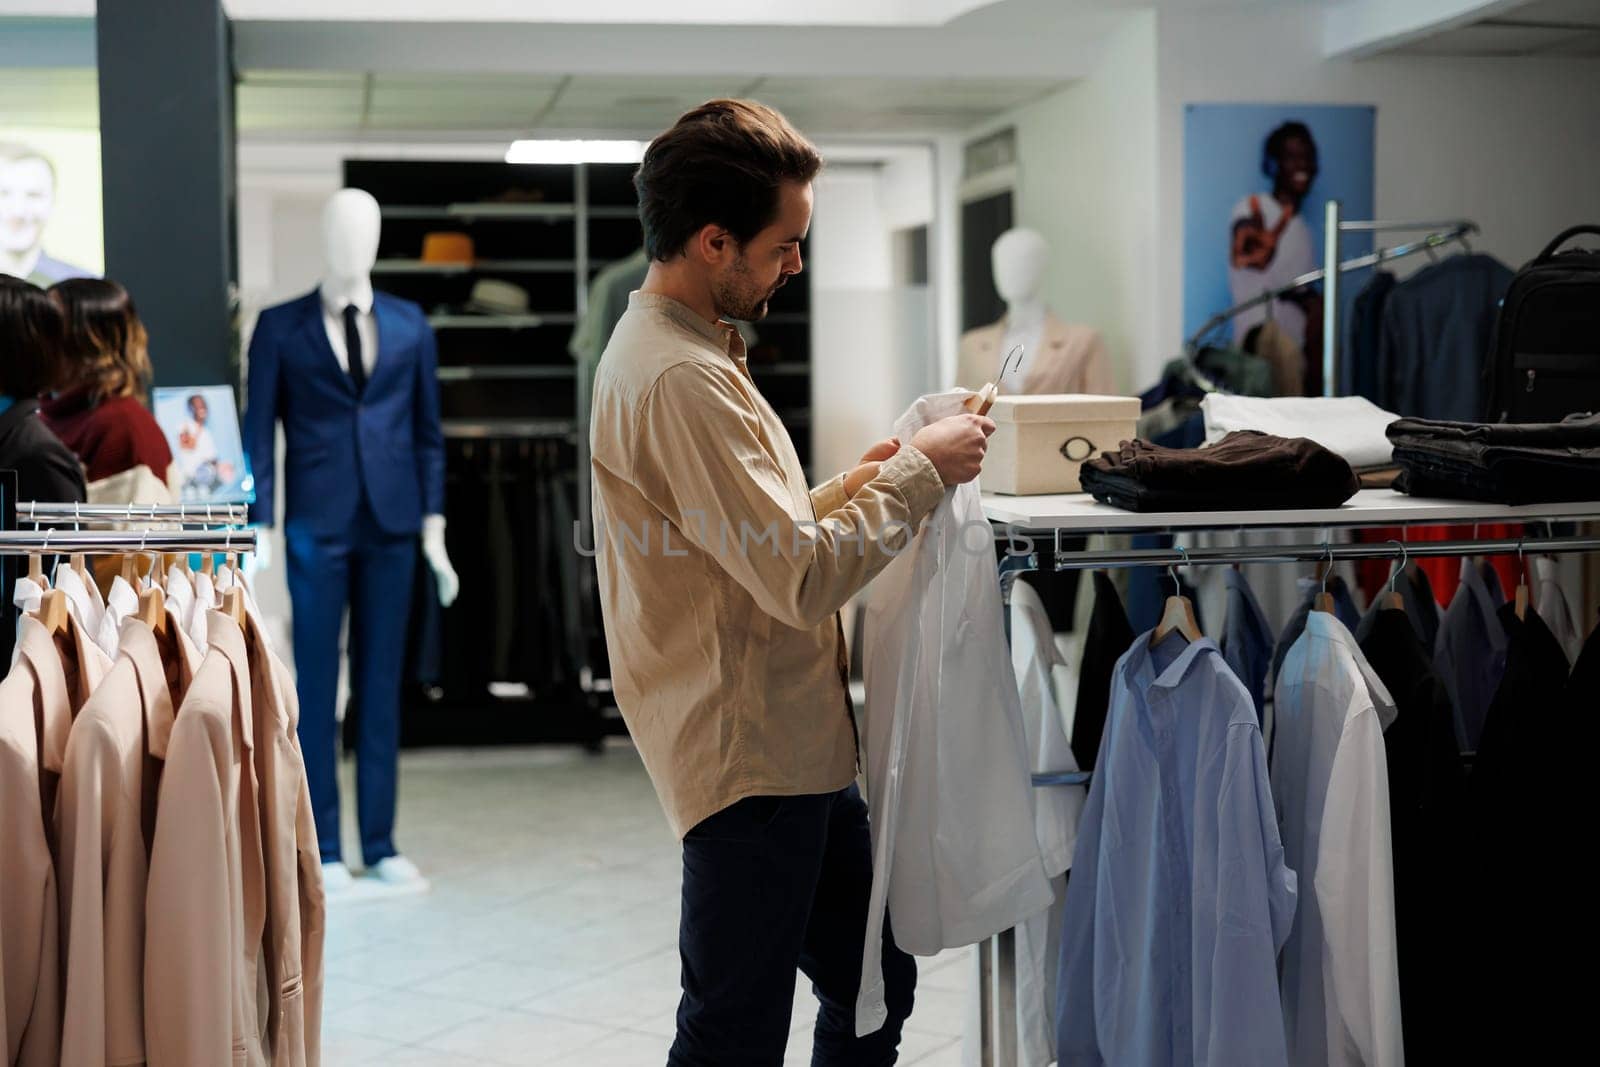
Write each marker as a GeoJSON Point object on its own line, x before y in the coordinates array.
{"type": "Point", "coordinates": [121, 602]}
{"type": "Point", "coordinates": [1057, 809]}
{"type": "Point", "coordinates": [1551, 603]}
{"type": "Point", "coordinates": [955, 858]}
{"type": "Point", "coordinates": [83, 597]}
{"type": "Point", "coordinates": [1330, 781]}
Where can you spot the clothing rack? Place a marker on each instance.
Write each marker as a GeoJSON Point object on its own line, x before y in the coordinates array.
{"type": "Point", "coordinates": [1334, 226]}
{"type": "Point", "coordinates": [1439, 234]}
{"type": "Point", "coordinates": [210, 514]}
{"type": "Point", "coordinates": [1021, 520]}
{"type": "Point", "coordinates": [122, 542]}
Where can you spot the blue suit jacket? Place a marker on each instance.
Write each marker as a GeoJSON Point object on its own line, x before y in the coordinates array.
{"type": "Point", "coordinates": [387, 445]}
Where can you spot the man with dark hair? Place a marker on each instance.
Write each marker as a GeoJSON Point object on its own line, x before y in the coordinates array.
{"type": "Point", "coordinates": [721, 576]}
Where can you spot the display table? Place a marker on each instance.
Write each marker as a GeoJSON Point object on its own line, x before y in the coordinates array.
{"type": "Point", "coordinates": [1080, 513]}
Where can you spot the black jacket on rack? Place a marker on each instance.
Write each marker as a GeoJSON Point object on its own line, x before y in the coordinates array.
{"type": "Point", "coordinates": [1435, 338]}
{"type": "Point", "coordinates": [1427, 817]}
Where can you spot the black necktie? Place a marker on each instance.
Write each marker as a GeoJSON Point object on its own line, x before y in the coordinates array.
{"type": "Point", "coordinates": [352, 344]}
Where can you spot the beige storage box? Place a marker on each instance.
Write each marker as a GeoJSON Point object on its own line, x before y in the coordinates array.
{"type": "Point", "coordinates": [1039, 441]}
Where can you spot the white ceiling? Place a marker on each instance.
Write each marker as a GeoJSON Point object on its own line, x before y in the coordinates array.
{"type": "Point", "coordinates": [1548, 28]}
{"type": "Point", "coordinates": [356, 103]}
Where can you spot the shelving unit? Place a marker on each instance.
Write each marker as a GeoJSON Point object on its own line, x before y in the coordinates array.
{"type": "Point", "coordinates": [508, 382]}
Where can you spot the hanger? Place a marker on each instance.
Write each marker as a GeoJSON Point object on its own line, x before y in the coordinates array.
{"type": "Point", "coordinates": [1178, 614]}
{"type": "Point", "coordinates": [1324, 599]}
{"type": "Point", "coordinates": [53, 605]}
{"type": "Point", "coordinates": [1522, 584]}
{"type": "Point", "coordinates": [984, 399]}
{"type": "Point", "coordinates": [153, 601]}
{"type": "Point", "coordinates": [1392, 600]}
{"type": "Point", "coordinates": [76, 560]}
{"type": "Point", "coordinates": [233, 597]}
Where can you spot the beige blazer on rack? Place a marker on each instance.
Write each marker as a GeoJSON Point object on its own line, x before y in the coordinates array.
{"type": "Point", "coordinates": [1071, 359]}
{"type": "Point", "coordinates": [104, 818]}
{"type": "Point", "coordinates": [47, 682]}
{"type": "Point", "coordinates": [296, 912]}
{"type": "Point", "coordinates": [206, 902]}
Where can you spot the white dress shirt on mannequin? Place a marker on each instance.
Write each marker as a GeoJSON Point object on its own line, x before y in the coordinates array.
{"type": "Point", "coordinates": [333, 305]}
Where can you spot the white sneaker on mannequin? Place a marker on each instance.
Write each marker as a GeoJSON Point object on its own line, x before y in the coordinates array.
{"type": "Point", "coordinates": [398, 875]}
{"type": "Point", "coordinates": [337, 879]}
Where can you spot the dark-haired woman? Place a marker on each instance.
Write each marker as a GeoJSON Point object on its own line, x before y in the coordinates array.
{"type": "Point", "coordinates": [100, 413]}
{"type": "Point", "coordinates": [31, 364]}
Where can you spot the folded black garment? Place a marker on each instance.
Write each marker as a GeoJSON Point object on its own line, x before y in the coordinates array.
{"type": "Point", "coordinates": [1503, 463]}
{"type": "Point", "coordinates": [1246, 470]}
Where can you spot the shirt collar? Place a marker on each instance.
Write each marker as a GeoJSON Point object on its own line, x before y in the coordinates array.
{"type": "Point", "coordinates": [721, 334]}
{"type": "Point", "coordinates": [1326, 625]}
{"type": "Point", "coordinates": [1141, 664]}
{"type": "Point", "coordinates": [335, 303]}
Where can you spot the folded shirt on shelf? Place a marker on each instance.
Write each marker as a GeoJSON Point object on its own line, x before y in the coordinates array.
{"type": "Point", "coordinates": [1351, 426]}
{"type": "Point", "coordinates": [1505, 463]}
{"type": "Point", "coordinates": [1244, 470]}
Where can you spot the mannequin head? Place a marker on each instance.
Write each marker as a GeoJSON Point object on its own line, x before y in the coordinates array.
{"type": "Point", "coordinates": [350, 224]}
{"type": "Point", "coordinates": [1019, 258]}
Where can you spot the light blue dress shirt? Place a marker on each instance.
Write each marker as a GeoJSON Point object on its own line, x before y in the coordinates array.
{"type": "Point", "coordinates": [1179, 899]}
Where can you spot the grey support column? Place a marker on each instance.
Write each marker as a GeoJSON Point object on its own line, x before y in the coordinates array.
{"type": "Point", "coordinates": [167, 152]}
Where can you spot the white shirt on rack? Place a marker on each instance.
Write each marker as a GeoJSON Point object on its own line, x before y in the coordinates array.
{"type": "Point", "coordinates": [1330, 782]}
{"type": "Point", "coordinates": [333, 305]}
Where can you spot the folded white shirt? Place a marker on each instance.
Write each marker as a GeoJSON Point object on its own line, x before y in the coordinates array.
{"type": "Point", "coordinates": [1351, 426]}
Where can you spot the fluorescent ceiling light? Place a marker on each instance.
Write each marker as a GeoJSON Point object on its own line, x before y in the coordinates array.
{"type": "Point", "coordinates": [575, 152]}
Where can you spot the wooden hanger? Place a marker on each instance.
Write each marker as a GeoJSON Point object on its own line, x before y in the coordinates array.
{"type": "Point", "coordinates": [1178, 615]}
{"type": "Point", "coordinates": [233, 604]}
{"type": "Point", "coordinates": [53, 612]}
{"type": "Point", "coordinates": [36, 569]}
{"type": "Point", "coordinates": [80, 566]}
{"type": "Point", "coordinates": [983, 400]}
{"type": "Point", "coordinates": [1324, 599]}
{"type": "Point", "coordinates": [1522, 585]}
{"type": "Point", "coordinates": [129, 575]}
{"type": "Point", "coordinates": [153, 609]}
{"type": "Point", "coordinates": [208, 564]}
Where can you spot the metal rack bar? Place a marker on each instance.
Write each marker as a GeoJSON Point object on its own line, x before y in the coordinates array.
{"type": "Point", "coordinates": [115, 542]}
{"type": "Point", "coordinates": [1331, 269]}
{"type": "Point", "coordinates": [215, 514]}
{"type": "Point", "coordinates": [1313, 553]}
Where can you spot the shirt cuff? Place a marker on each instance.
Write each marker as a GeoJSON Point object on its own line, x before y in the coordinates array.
{"type": "Point", "coordinates": [828, 497]}
{"type": "Point", "coordinates": [915, 478]}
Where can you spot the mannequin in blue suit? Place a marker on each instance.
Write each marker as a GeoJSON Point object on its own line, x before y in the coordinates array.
{"type": "Point", "coordinates": [363, 477]}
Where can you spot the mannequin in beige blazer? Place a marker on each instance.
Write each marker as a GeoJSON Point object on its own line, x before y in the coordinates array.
{"type": "Point", "coordinates": [1061, 359]}
{"type": "Point", "coordinates": [1070, 359]}
{"type": "Point", "coordinates": [106, 813]}
{"type": "Point", "coordinates": [48, 682]}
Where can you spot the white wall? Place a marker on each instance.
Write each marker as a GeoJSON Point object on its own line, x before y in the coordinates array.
{"type": "Point", "coordinates": [1086, 177]}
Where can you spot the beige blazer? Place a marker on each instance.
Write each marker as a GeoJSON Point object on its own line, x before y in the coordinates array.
{"type": "Point", "coordinates": [104, 817]}
{"type": "Point", "coordinates": [47, 683]}
{"type": "Point", "coordinates": [296, 913]}
{"type": "Point", "coordinates": [206, 902]}
{"type": "Point", "coordinates": [1071, 359]}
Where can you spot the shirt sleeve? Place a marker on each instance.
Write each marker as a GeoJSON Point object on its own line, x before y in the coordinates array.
{"type": "Point", "coordinates": [829, 496]}
{"type": "Point", "coordinates": [1355, 895]}
{"type": "Point", "coordinates": [1255, 903]}
{"type": "Point", "coordinates": [1077, 1035]}
{"type": "Point", "coordinates": [702, 462]}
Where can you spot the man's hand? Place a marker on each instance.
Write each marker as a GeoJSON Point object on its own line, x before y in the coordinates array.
{"type": "Point", "coordinates": [956, 446]}
{"type": "Point", "coordinates": [859, 477]}
{"type": "Point", "coordinates": [881, 451]}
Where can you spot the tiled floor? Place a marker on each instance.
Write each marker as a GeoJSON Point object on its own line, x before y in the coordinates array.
{"type": "Point", "coordinates": [550, 934]}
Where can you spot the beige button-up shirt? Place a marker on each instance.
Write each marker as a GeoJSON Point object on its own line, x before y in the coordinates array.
{"type": "Point", "coordinates": [721, 573]}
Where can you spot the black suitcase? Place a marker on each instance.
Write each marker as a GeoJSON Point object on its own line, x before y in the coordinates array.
{"type": "Point", "coordinates": [1544, 359]}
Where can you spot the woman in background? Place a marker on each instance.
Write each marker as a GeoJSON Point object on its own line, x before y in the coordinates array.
{"type": "Point", "coordinates": [100, 413]}
{"type": "Point", "coordinates": [31, 364]}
